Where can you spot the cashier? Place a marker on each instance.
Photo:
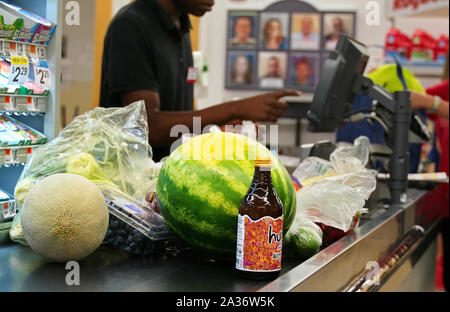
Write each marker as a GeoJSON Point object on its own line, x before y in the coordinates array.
{"type": "Point", "coordinates": [147, 56]}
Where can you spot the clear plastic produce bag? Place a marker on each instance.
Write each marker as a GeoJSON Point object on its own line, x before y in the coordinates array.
{"type": "Point", "coordinates": [351, 158]}
{"type": "Point", "coordinates": [362, 182]}
{"type": "Point", "coordinates": [339, 191]}
{"type": "Point", "coordinates": [331, 203]}
{"type": "Point", "coordinates": [313, 168]}
{"type": "Point", "coordinates": [108, 146]}
{"type": "Point", "coordinates": [304, 238]}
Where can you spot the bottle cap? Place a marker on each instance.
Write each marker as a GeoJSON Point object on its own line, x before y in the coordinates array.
{"type": "Point", "coordinates": [263, 162]}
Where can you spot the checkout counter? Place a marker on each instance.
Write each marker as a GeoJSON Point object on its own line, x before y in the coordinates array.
{"type": "Point", "coordinates": [393, 249]}
{"type": "Point", "coordinates": [405, 237]}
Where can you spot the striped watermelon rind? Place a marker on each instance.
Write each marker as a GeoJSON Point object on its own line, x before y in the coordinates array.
{"type": "Point", "coordinates": [199, 199]}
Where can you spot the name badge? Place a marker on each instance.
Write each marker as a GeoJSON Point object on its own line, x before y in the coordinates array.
{"type": "Point", "coordinates": [192, 75]}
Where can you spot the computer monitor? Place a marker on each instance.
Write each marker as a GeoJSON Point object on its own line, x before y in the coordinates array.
{"type": "Point", "coordinates": [341, 80]}
{"type": "Point", "coordinates": [334, 95]}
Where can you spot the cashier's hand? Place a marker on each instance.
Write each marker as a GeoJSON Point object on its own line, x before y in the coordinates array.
{"type": "Point", "coordinates": [266, 107]}
{"type": "Point", "coordinates": [420, 100]}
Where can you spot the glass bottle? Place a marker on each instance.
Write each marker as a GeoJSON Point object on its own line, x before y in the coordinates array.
{"type": "Point", "coordinates": [260, 227]}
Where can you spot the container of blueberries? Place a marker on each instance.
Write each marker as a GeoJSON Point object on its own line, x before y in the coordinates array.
{"type": "Point", "coordinates": [136, 228]}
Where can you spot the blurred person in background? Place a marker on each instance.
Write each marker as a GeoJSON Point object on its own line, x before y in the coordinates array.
{"type": "Point", "coordinates": [273, 37]}
{"type": "Point", "coordinates": [436, 103]}
{"type": "Point", "coordinates": [147, 56]}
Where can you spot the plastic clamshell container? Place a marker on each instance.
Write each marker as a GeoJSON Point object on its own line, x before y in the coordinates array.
{"type": "Point", "coordinates": [137, 215]}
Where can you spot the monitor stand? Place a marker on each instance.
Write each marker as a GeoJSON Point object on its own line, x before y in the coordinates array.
{"type": "Point", "coordinates": [396, 108]}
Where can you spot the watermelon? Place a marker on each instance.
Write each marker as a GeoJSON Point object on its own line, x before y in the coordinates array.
{"type": "Point", "coordinates": [202, 183]}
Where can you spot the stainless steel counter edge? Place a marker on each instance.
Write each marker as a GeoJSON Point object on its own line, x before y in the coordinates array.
{"type": "Point", "coordinates": [334, 267]}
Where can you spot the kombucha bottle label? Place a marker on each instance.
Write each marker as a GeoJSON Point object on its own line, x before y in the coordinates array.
{"type": "Point", "coordinates": [259, 244]}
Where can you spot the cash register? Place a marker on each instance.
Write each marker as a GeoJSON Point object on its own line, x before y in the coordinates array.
{"type": "Point", "coordinates": [341, 81]}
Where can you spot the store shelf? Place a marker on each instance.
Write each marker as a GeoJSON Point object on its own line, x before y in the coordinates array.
{"type": "Point", "coordinates": [8, 209]}
{"type": "Point", "coordinates": [23, 103]}
{"type": "Point", "coordinates": [9, 47]}
{"type": "Point", "coordinates": [20, 113]}
{"type": "Point", "coordinates": [15, 155]}
{"type": "Point", "coordinates": [421, 69]}
{"type": "Point", "coordinates": [7, 205]}
{"type": "Point", "coordinates": [430, 69]}
{"type": "Point", "coordinates": [45, 106]}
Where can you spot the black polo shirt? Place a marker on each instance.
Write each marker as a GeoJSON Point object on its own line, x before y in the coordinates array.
{"type": "Point", "coordinates": [144, 50]}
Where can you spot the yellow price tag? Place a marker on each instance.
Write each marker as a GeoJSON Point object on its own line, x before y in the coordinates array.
{"type": "Point", "coordinates": [18, 74]}
{"type": "Point", "coordinates": [19, 60]}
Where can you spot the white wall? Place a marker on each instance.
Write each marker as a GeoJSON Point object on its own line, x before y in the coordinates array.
{"type": "Point", "coordinates": [213, 43]}
{"type": "Point", "coordinates": [77, 72]}
{"type": "Point", "coordinates": [213, 39]}
{"type": "Point", "coordinates": [80, 43]}
{"type": "Point", "coordinates": [435, 26]}
{"type": "Point", "coordinates": [118, 4]}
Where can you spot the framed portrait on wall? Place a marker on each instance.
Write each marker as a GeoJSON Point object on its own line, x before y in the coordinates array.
{"type": "Point", "coordinates": [243, 30]}
{"type": "Point", "coordinates": [305, 31]}
{"type": "Point", "coordinates": [241, 69]}
{"type": "Point", "coordinates": [283, 45]}
{"type": "Point", "coordinates": [274, 30]}
{"type": "Point", "coordinates": [334, 25]}
{"type": "Point", "coordinates": [304, 70]}
{"type": "Point", "coordinates": [272, 70]}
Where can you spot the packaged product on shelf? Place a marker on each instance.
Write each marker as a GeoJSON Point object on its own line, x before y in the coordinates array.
{"type": "Point", "coordinates": [4, 197]}
{"type": "Point", "coordinates": [397, 45]}
{"type": "Point", "coordinates": [7, 206]}
{"type": "Point", "coordinates": [17, 130]}
{"type": "Point", "coordinates": [6, 31]}
{"type": "Point", "coordinates": [9, 135]}
{"type": "Point", "coordinates": [8, 138]}
{"type": "Point", "coordinates": [441, 48]}
{"type": "Point", "coordinates": [5, 69]}
{"type": "Point", "coordinates": [44, 33]}
{"type": "Point", "coordinates": [20, 25]}
{"type": "Point", "coordinates": [423, 46]}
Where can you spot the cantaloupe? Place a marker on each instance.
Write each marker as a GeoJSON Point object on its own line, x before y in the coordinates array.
{"type": "Point", "coordinates": [64, 217]}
